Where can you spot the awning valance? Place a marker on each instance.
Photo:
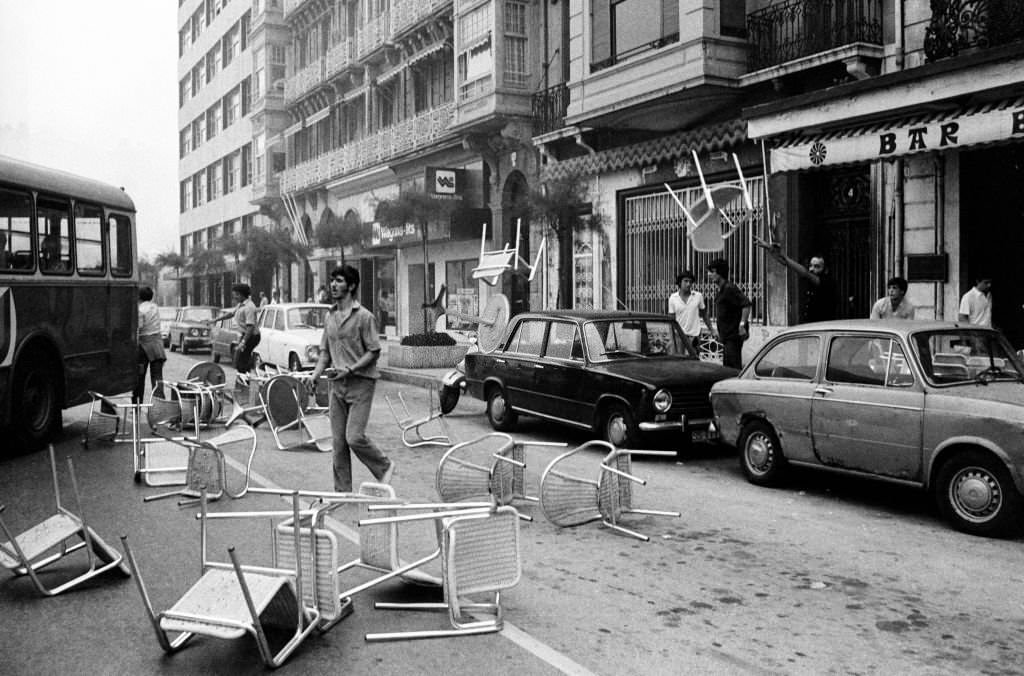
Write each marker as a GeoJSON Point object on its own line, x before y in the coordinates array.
{"type": "Point", "coordinates": [318, 115]}
{"type": "Point", "coordinates": [294, 129]}
{"type": "Point", "coordinates": [990, 123]}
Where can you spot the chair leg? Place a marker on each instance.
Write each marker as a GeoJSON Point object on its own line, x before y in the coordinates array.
{"type": "Point", "coordinates": [167, 645]}
{"type": "Point", "coordinates": [626, 531]}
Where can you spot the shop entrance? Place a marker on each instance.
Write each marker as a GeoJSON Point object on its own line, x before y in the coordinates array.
{"type": "Point", "coordinates": [992, 231]}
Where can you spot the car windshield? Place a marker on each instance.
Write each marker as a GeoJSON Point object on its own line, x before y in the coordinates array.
{"type": "Point", "coordinates": [168, 312]}
{"type": "Point", "coordinates": [197, 314]}
{"type": "Point", "coordinates": [967, 356]}
{"type": "Point", "coordinates": [306, 317]}
{"type": "Point", "coordinates": [623, 338]}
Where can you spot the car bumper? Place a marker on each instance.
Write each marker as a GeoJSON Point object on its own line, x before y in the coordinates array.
{"type": "Point", "coordinates": [682, 424]}
{"type": "Point", "coordinates": [197, 342]}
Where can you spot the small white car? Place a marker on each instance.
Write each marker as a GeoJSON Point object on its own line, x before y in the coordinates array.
{"type": "Point", "coordinates": [290, 335]}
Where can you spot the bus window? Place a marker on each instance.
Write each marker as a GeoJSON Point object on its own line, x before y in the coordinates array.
{"type": "Point", "coordinates": [88, 239]}
{"type": "Point", "coordinates": [54, 236]}
{"type": "Point", "coordinates": [15, 231]}
{"type": "Point", "coordinates": [119, 239]}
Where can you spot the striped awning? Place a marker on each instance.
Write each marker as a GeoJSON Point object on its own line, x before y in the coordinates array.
{"type": "Point", "coordinates": [960, 127]}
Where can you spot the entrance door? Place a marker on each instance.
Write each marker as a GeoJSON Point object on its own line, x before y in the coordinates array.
{"type": "Point", "coordinates": [992, 231]}
{"type": "Point", "coordinates": [416, 296]}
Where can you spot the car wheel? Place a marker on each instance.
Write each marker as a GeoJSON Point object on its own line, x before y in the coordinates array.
{"type": "Point", "coordinates": [619, 428]}
{"type": "Point", "coordinates": [181, 345]}
{"type": "Point", "coordinates": [499, 413]}
{"type": "Point", "coordinates": [975, 493]}
{"type": "Point", "coordinates": [35, 401]}
{"type": "Point", "coordinates": [760, 453]}
{"type": "Point", "coordinates": [449, 397]}
{"type": "Point", "coordinates": [293, 362]}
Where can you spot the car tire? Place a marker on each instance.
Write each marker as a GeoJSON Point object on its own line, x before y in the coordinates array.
{"type": "Point", "coordinates": [761, 457]}
{"type": "Point", "coordinates": [976, 495]}
{"type": "Point", "coordinates": [293, 362]}
{"type": "Point", "coordinates": [618, 427]}
{"type": "Point", "coordinates": [181, 345]}
{"type": "Point", "coordinates": [449, 397]}
{"type": "Point", "coordinates": [499, 413]}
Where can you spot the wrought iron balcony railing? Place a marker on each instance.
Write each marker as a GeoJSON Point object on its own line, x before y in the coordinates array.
{"type": "Point", "coordinates": [958, 25]}
{"type": "Point", "coordinates": [796, 28]}
{"type": "Point", "coordinates": [549, 107]}
{"type": "Point", "coordinates": [304, 81]}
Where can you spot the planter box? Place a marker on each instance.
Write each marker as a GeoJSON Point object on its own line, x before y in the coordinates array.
{"type": "Point", "coordinates": [425, 357]}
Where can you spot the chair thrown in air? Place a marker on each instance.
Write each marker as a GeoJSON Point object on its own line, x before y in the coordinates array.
{"type": "Point", "coordinates": [479, 551]}
{"type": "Point", "coordinates": [495, 262]}
{"type": "Point", "coordinates": [56, 537]}
{"type": "Point", "coordinates": [571, 500]}
{"type": "Point", "coordinates": [410, 425]}
{"type": "Point", "coordinates": [231, 600]}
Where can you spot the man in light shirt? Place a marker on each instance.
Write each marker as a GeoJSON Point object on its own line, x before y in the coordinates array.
{"type": "Point", "coordinates": [151, 354]}
{"type": "Point", "coordinates": [976, 304]}
{"type": "Point", "coordinates": [689, 309]}
{"type": "Point", "coordinates": [895, 304]}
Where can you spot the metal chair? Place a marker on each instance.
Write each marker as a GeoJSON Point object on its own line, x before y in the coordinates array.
{"type": "Point", "coordinates": [479, 552]}
{"type": "Point", "coordinates": [106, 419]}
{"type": "Point", "coordinates": [56, 537]}
{"type": "Point", "coordinates": [410, 425]}
{"type": "Point", "coordinates": [231, 600]}
{"type": "Point", "coordinates": [206, 470]}
{"type": "Point", "coordinates": [285, 400]}
{"type": "Point", "coordinates": [570, 500]}
{"type": "Point", "coordinates": [492, 465]}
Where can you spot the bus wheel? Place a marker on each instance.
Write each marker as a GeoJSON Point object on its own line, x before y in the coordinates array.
{"type": "Point", "coordinates": [37, 407]}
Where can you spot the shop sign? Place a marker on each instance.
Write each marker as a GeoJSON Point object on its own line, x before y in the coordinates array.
{"type": "Point", "coordinates": [382, 235]}
{"type": "Point", "coordinates": [446, 184]}
{"type": "Point", "coordinates": [873, 143]}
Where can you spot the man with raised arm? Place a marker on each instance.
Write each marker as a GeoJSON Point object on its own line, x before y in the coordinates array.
{"type": "Point", "coordinates": [819, 298]}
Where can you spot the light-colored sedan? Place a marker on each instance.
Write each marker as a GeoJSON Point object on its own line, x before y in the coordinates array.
{"type": "Point", "coordinates": [290, 335]}
{"type": "Point", "coordinates": [168, 313]}
{"type": "Point", "coordinates": [934, 405]}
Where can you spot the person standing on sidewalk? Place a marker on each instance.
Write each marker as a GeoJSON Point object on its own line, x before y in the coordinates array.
{"type": "Point", "coordinates": [350, 347]}
{"type": "Point", "coordinates": [732, 310]}
{"type": "Point", "coordinates": [688, 307]}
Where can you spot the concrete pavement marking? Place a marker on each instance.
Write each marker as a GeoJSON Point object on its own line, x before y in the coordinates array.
{"type": "Point", "coordinates": [511, 632]}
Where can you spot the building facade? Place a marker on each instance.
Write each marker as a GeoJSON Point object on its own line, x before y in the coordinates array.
{"type": "Point", "coordinates": [394, 97]}
{"type": "Point", "coordinates": [881, 134]}
{"type": "Point", "coordinates": [230, 100]}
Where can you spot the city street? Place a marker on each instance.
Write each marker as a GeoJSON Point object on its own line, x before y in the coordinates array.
{"type": "Point", "coordinates": [826, 575]}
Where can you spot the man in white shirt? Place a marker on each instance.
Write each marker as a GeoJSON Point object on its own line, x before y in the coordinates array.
{"type": "Point", "coordinates": [151, 354]}
{"type": "Point", "coordinates": [689, 309]}
{"type": "Point", "coordinates": [976, 304]}
{"type": "Point", "coordinates": [895, 304]}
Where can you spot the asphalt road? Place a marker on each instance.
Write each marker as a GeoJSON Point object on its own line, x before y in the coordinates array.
{"type": "Point", "coordinates": [825, 575]}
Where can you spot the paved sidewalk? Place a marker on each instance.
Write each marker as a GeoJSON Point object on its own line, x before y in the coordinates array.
{"type": "Point", "coordinates": [416, 377]}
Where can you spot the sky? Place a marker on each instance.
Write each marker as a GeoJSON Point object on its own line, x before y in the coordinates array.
{"type": "Point", "coordinates": [92, 88]}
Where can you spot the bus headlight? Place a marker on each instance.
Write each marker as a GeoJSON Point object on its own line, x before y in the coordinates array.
{"type": "Point", "coordinates": [312, 353]}
{"type": "Point", "coordinates": [662, 401]}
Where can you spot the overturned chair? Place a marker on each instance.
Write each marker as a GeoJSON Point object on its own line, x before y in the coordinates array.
{"type": "Point", "coordinates": [205, 468]}
{"type": "Point", "coordinates": [410, 425]}
{"type": "Point", "coordinates": [56, 537]}
{"type": "Point", "coordinates": [286, 405]}
{"type": "Point", "coordinates": [231, 600]}
{"type": "Point", "coordinates": [571, 500]}
{"type": "Point", "coordinates": [490, 466]}
{"type": "Point", "coordinates": [480, 555]}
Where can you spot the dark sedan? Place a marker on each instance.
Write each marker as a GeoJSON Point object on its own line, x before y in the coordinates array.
{"type": "Point", "coordinates": [618, 374]}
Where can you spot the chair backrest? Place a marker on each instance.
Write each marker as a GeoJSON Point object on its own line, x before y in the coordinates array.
{"type": "Point", "coordinates": [205, 470]}
{"type": "Point", "coordinates": [207, 373]}
{"type": "Point", "coordinates": [568, 499]}
{"type": "Point", "coordinates": [283, 396]}
{"type": "Point", "coordinates": [480, 553]}
{"type": "Point", "coordinates": [615, 493]}
{"type": "Point", "coordinates": [319, 553]}
{"type": "Point", "coordinates": [378, 544]}
{"type": "Point", "coordinates": [162, 413]}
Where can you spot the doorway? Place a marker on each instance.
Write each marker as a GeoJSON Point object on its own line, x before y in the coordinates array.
{"type": "Point", "coordinates": [992, 231]}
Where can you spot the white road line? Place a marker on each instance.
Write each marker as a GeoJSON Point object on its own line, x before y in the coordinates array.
{"type": "Point", "coordinates": [511, 632]}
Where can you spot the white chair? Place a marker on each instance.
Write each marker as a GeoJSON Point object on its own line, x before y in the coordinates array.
{"type": "Point", "coordinates": [493, 263]}
{"type": "Point", "coordinates": [410, 425]}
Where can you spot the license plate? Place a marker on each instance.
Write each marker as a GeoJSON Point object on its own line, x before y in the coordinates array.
{"type": "Point", "coordinates": [703, 436]}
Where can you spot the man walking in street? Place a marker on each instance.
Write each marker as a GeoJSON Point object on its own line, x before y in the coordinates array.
{"type": "Point", "coordinates": [350, 347]}
{"type": "Point", "coordinates": [895, 304]}
{"type": "Point", "coordinates": [689, 309]}
{"type": "Point", "coordinates": [976, 304]}
{"type": "Point", "coordinates": [245, 321]}
{"type": "Point", "coordinates": [151, 354]}
{"type": "Point", "coordinates": [820, 294]}
{"type": "Point", "coordinates": [732, 314]}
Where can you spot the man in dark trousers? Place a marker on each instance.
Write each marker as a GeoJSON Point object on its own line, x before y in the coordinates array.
{"type": "Point", "coordinates": [819, 300]}
{"type": "Point", "coordinates": [732, 310]}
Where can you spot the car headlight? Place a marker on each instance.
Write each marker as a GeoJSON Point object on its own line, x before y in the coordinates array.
{"type": "Point", "coordinates": [662, 401]}
{"type": "Point", "coordinates": [193, 332]}
{"type": "Point", "coordinates": [312, 353]}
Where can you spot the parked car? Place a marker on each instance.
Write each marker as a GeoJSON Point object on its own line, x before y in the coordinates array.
{"type": "Point", "coordinates": [224, 338]}
{"type": "Point", "coordinates": [189, 330]}
{"type": "Point", "coordinates": [168, 313]}
{"type": "Point", "coordinates": [617, 374]}
{"type": "Point", "coordinates": [931, 404]}
{"type": "Point", "coordinates": [290, 335]}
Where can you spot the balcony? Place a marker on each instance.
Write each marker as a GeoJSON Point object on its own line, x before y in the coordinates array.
{"type": "Point", "coordinates": [373, 34]}
{"type": "Point", "coordinates": [795, 29]}
{"type": "Point", "coordinates": [960, 25]}
{"type": "Point", "coordinates": [339, 57]}
{"type": "Point", "coordinates": [304, 81]}
{"type": "Point", "coordinates": [407, 13]}
{"type": "Point", "coordinates": [549, 108]}
{"type": "Point", "coordinates": [406, 136]}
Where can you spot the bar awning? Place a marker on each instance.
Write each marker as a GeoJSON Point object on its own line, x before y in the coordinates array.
{"type": "Point", "coordinates": [995, 122]}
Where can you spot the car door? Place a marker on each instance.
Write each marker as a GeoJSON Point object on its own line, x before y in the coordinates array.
{"type": "Point", "coordinates": [868, 409]}
{"type": "Point", "coordinates": [782, 389]}
{"type": "Point", "coordinates": [559, 378]}
{"type": "Point", "coordinates": [521, 360]}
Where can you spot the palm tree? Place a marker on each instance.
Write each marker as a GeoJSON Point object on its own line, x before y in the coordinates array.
{"type": "Point", "coordinates": [269, 248]}
{"type": "Point", "coordinates": [335, 234]}
{"type": "Point", "coordinates": [149, 274]}
{"type": "Point", "coordinates": [172, 259]}
{"type": "Point", "coordinates": [235, 246]}
{"type": "Point", "coordinates": [421, 209]}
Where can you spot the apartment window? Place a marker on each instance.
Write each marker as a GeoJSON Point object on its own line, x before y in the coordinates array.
{"type": "Point", "coordinates": [246, 96]}
{"type": "Point", "coordinates": [232, 106]}
{"type": "Point", "coordinates": [475, 60]}
{"type": "Point", "coordinates": [230, 45]}
{"type": "Point", "coordinates": [734, 18]}
{"type": "Point", "coordinates": [214, 180]}
{"type": "Point", "coordinates": [474, 25]}
{"type": "Point", "coordinates": [184, 90]}
{"type": "Point", "coordinates": [184, 142]}
{"type": "Point", "coordinates": [259, 60]}
{"type": "Point", "coordinates": [197, 24]}
{"type": "Point", "coordinates": [516, 71]}
{"type": "Point", "coordinates": [246, 156]}
{"type": "Point", "coordinates": [616, 32]}
{"type": "Point", "coordinates": [231, 172]}
{"type": "Point", "coordinates": [197, 78]}
{"type": "Point", "coordinates": [197, 190]}
{"type": "Point", "coordinates": [213, 119]}
{"type": "Point", "coordinates": [186, 192]}
{"type": "Point", "coordinates": [247, 223]}
{"type": "Point", "coordinates": [212, 10]}
{"type": "Point", "coordinates": [259, 151]}
{"type": "Point", "coordinates": [198, 131]}
{"type": "Point", "coordinates": [229, 228]}
{"type": "Point", "coordinates": [245, 26]}
{"type": "Point", "coordinates": [212, 63]}
{"type": "Point", "coordinates": [184, 39]}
